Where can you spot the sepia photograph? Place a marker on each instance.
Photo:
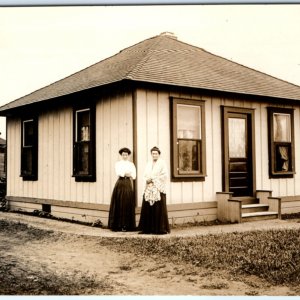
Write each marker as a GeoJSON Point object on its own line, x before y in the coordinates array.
{"type": "Point", "coordinates": [150, 150]}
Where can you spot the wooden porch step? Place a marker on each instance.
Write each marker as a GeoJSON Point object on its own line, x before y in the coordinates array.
{"type": "Point", "coordinates": [249, 208]}
{"type": "Point", "coordinates": [258, 216]}
{"type": "Point", "coordinates": [246, 200]}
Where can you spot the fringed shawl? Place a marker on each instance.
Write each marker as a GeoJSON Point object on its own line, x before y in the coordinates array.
{"type": "Point", "coordinates": [158, 173]}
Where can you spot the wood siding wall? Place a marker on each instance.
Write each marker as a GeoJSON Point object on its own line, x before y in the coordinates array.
{"type": "Point", "coordinates": [153, 128]}
{"type": "Point", "coordinates": [153, 119]}
{"type": "Point", "coordinates": [113, 130]}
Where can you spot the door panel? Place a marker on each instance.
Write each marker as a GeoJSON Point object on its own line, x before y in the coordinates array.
{"type": "Point", "coordinates": [239, 165]}
{"type": "Point", "coordinates": [238, 150]}
{"type": "Point", "coordinates": [239, 181]}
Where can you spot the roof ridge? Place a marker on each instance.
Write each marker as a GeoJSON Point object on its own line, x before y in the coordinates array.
{"type": "Point", "coordinates": [240, 64]}
{"type": "Point", "coordinates": [164, 59]}
{"type": "Point", "coordinates": [54, 82]}
{"type": "Point", "coordinates": [249, 68]}
{"type": "Point", "coordinates": [72, 74]}
{"type": "Point", "coordinates": [138, 66]}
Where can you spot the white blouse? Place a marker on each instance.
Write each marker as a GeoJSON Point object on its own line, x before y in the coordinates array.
{"type": "Point", "coordinates": [124, 166]}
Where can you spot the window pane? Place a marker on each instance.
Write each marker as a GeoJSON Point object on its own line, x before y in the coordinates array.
{"type": "Point", "coordinates": [282, 158]}
{"type": "Point", "coordinates": [28, 133]}
{"type": "Point", "coordinates": [83, 158]}
{"type": "Point", "coordinates": [237, 137]}
{"type": "Point", "coordinates": [188, 157]}
{"type": "Point", "coordinates": [188, 122]}
{"type": "Point", "coordinates": [27, 163]}
{"type": "Point", "coordinates": [282, 127]}
{"type": "Point", "coordinates": [83, 125]}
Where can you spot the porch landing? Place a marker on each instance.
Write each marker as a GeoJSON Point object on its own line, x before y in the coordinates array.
{"type": "Point", "coordinates": [246, 209]}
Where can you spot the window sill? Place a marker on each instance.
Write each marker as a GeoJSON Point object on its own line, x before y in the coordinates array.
{"type": "Point", "coordinates": [85, 178]}
{"type": "Point", "coordinates": [188, 178]}
{"type": "Point", "coordinates": [282, 175]}
{"type": "Point", "coordinates": [29, 177]}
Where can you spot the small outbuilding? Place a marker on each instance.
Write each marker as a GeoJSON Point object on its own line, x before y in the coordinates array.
{"type": "Point", "coordinates": [230, 136]}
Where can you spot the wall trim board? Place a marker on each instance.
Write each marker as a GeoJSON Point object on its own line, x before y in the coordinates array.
{"type": "Point", "coordinates": [105, 207]}
{"type": "Point", "coordinates": [73, 204]}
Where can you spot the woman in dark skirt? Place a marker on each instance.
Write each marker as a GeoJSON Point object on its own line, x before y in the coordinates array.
{"type": "Point", "coordinates": [154, 215]}
{"type": "Point", "coordinates": [122, 206]}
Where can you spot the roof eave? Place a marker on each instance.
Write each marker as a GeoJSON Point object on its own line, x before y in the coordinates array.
{"type": "Point", "coordinates": [10, 110]}
{"type": "Point", "coordinates": [228, 92]}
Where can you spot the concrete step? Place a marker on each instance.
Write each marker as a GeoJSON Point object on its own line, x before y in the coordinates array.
{"type": "Point", "coordinates": [249, 208]}
{"type": "Point", "coordinates": [258, 216]}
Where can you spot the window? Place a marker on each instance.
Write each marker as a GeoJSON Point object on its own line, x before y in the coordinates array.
{"type": "Point", "coordinates": [281, 142]}
{"type": "Point", "coordinates": [84, 145]}
{"type": "Point", "coordinates": [188, 145]}
{"type": "Point", "coordinates": [29, 149]}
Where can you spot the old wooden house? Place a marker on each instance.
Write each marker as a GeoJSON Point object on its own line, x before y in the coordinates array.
{"type": "Point", "coordinates": [229, 134]}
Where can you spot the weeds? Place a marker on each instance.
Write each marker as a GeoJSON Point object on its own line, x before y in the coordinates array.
{"type": "Point", "coordinates": [199, 223]}
{"type": "Point", "coordinates": [3, 204]}
{"type": "Point", "coordinates": [272, 255]}
{"type": "Point", "coordinates": [3, 201]}
{"type": "Point", "coordinates": [23, 229]}
{"type": "Point", "coordinates": [215, 286]}
{"type": "Point", "coordinates": [18, 280]}
{"type": "Point", "coordinates": [125, 268]}
{"type": "Point", "coordinates": [252, 293]}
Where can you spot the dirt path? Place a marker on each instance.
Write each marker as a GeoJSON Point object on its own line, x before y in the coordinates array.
{"type": "Point", "coordinates": [71, 260]}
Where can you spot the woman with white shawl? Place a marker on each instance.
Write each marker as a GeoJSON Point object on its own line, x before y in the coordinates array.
{"type": "Point", "coordinates": [154, 215]}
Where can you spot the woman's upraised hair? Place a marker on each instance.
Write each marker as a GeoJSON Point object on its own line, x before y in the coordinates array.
{"type": "Point", "coordinates": [155, 149]}
{"type": "Point", "coordinates": [125, 149]}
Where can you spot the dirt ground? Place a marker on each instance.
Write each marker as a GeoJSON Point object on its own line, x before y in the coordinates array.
{"type": "Point", "coordinates": [48, 257]}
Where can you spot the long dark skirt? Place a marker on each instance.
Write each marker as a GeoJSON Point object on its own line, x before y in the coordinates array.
{"type": "Point", "coordinates": [154, 218]}
{"type": "Point", "coordinates": [122, 206]}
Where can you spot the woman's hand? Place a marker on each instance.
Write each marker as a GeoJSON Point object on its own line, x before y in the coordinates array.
{"type": "Point", "coordinates": [127, 174]}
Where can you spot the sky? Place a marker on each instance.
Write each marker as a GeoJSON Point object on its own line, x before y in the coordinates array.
{"type": "Point", "coordinates": [40, 45]}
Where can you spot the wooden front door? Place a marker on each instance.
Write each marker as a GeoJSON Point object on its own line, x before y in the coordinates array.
{"type": "Point", "coordinates": [238, 151]}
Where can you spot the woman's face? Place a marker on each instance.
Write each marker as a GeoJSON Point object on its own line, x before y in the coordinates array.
{"type": "Point", "coordinates": [125, 155]}
{"type": "Point", "coordinates": [155, 155]}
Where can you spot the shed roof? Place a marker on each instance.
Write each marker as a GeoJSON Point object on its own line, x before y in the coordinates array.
{"type": "Point", "coordinates": [165, 60]}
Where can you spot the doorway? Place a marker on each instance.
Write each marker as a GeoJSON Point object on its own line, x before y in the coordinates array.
{"type": "Point", "coordinates": [238, 151]}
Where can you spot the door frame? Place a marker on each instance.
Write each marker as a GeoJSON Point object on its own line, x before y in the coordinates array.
{"type": "Point", "coordinates": [249, 112]}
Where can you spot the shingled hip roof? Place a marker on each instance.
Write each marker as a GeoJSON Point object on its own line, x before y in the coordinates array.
{"type": "Point", "coordinates": [165, 60]}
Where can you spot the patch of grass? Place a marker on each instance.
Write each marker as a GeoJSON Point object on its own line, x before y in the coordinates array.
{"type": "Point", "coordinates": [199, 223]}
{"type": "Point", "coordinates": [3, 201]}
{"type": "Point", "coordinates": [252, 293]}
{"type": "Point", "coordinates": [215, 286]}
{"type": "Point", "coordinates": [19, 280]}
{"type": "Point", "coordinates": [3, 204]}
{"type": "Point", "coordinates": [125, 268]}
{"type": "Point", "coordinates": [269, 254]}
{"type": "Point", "coordinates": [18, 228]}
